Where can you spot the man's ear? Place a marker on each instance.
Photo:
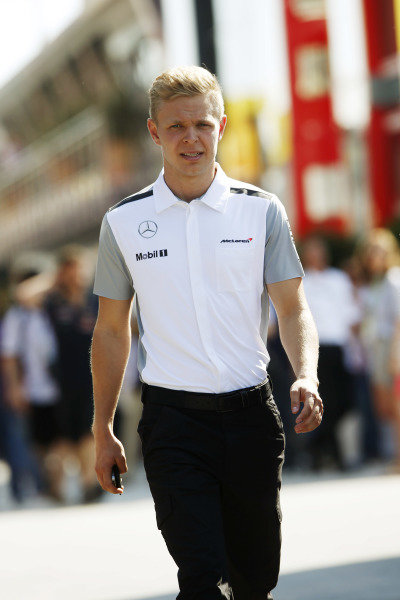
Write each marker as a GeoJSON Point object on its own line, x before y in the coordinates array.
{"type": "Point", "coordinates": [222, 125]}
{"type": "Point", "coordinates": [152, 127]}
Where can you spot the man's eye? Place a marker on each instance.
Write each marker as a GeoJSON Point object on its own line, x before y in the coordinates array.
{"type": "Point", "coordinates": [176, 126]}
{"type": "Point", "coordinates": [204, 125]}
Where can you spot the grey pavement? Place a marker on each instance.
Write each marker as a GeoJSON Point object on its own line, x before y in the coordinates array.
{"type": "Point", "coordinates": [341, 541]}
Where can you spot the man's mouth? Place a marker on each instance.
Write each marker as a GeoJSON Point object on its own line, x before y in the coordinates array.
{"type": "Point", "coordinates": [191, 154]}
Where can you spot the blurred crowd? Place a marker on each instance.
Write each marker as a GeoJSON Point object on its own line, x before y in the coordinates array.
{"type": "Point", "coordinates": [45, 383]}
{"type": "Point", "coordinates": [356, 309]}
{"type": "Point", "coordinates": [46, 389]}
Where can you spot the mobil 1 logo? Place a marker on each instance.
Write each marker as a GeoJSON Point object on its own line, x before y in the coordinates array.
{"type": "Point", "coordinates": [153, 254]}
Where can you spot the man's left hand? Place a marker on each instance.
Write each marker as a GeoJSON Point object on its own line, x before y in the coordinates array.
{"type": "Point", "coordinates": [305, 391]}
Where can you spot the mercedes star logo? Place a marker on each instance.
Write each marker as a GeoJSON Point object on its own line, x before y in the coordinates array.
{"type": "Point", "coordinates": [147, 229]}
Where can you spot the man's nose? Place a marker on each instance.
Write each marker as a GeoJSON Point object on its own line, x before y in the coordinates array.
{"type": "Point", "coordinates": [190, 135]}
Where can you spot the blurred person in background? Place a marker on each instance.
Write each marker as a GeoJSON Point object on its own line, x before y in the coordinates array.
{"type": "Point", "coordinates": [29, 393]}
{"type": "Point", "coordinates": [357, 363]}
{"type": "Point", "coordinates": [71, 309]}
{"type": "Point", "coordinates": [330, 297]}
{"type": "Point", "coordinates": [380, 332]}
{"type": "Point", "coordinates": [396, 396]}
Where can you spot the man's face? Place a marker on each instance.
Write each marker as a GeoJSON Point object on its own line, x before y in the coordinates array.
{"type": "Point", "coordinates": [376, 259]}
{"type": "Point", "coordinates": [188, 133]}
{"type": "Point", "coordinates": [314, 255]}
{"type": "Point", "coordinates": [71, 274]}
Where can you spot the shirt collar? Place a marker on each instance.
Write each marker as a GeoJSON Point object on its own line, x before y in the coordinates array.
{"type": "Point", "coordinates": [216, 196]}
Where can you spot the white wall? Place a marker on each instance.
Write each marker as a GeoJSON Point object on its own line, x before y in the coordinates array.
{"type": "Point", "coordinates": [348, 63]}
{"type": "Point", "coordinates": [180, 34]}
{"type": "Point", "coordinates": [251, 50]}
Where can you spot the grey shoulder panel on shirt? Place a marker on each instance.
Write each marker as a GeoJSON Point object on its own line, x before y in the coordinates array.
{"type": "Point", "coordinates": [132, 198]}
{"type": "Point", "coordinates": [250, 192]}
{"type": "Point", "coordinates": [281, 260]}
{"type": "Point", "coordinates": [113, 279]}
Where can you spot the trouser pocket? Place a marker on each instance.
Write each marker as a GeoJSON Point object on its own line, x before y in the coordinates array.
{"type": "Point", "coordinates": [272, 408]}
{"type": "Point", "coordinates": [151, 416]}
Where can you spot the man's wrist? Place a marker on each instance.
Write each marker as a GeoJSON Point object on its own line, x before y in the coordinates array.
{"type": "Point", "coordinates": [310, 377]}
{"type": "Point", "coordinates": [104, 429]}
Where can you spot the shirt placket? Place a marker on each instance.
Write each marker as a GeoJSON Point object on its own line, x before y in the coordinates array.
{"type": "Point", "coordinates": [199, 288]}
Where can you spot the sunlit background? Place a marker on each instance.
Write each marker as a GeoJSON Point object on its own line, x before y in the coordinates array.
{"type": "Point", "coordinates": [311, 90]}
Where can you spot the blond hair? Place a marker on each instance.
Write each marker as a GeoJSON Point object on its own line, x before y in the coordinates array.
{"type": "Point", "coordinates": [185, 81]}
{"type": "Point", "coordinates": [387, 241]}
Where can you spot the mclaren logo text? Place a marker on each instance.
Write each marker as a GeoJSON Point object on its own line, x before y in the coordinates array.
{"type": "Point", "coordinates": [246, 241]}
{"type": "Point", "coordinates": [154, 254]}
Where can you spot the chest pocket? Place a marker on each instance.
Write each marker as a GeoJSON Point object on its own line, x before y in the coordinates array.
{"type": "Point", "coordinates": [235, 264]}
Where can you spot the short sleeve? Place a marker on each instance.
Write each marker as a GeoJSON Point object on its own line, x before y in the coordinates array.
{"type": "Point", "coordinates": [113, 279]}
{"type": "Point", "coordinates": [12, 326]}
{"type": "Point", "coordinates": [281, 260]}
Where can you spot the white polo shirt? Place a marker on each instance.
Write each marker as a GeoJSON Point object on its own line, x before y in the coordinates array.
{"type": "Point", "coordinates": [199, 271]}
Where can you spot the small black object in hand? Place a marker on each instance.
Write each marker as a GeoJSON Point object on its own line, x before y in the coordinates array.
{"type": "Point", "coordinates": [116, 477]}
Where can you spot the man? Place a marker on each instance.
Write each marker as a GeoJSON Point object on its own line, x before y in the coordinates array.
{"type": "Point", "coordinates": [333, 305]}
{"type": "Point", "coordinates": [63, 299]}
{"type": "Point", "coordinates": [202, 253]}
{"type": "Point", "coordinates": [72, 314]}
{"type": "Point", "coordinates": [23, 380]}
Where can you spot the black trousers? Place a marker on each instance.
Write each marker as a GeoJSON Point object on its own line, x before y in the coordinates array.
{"type": "Point", "coordinates": [215, 478]}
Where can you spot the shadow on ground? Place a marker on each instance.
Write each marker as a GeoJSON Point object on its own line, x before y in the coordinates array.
{"type": "Point", "coordinates": [377, 580]}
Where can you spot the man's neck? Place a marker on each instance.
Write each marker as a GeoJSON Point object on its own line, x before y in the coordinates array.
{"type": "Point", "coordinates": [189, 188]}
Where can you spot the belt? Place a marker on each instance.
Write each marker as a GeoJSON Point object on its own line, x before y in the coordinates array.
{"type": "Point", "coordinates": [243, 398]}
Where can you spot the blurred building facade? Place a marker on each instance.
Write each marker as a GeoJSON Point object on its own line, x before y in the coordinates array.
{"type": "Point", "coordinates": [73, 120]}
{"type": "Point", "coordinates": [383, 34]}
{"type": "Point", "coordinates": [319, 177]}
{"type": "Point", "coordinates": [346, 179]}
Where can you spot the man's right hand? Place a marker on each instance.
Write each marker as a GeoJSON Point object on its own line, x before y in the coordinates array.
{"type": "Point", "coordinates": [109, 452]}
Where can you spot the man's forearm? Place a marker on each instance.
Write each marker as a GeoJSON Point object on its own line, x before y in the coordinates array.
{"type": "Point", "coordinates": [10, 372]}
{"type": "Point", "coordinates": [300, 340]}
{"type": "Point", "coordinates": [109, 355]}
{"type": "Point", "coordinates": [13, 385]}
